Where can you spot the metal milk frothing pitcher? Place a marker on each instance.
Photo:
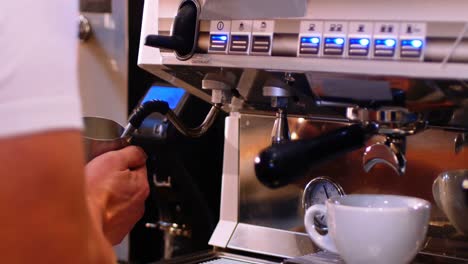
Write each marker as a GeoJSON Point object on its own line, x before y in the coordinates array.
{"type": "Point", "coordinates": [102, 135]}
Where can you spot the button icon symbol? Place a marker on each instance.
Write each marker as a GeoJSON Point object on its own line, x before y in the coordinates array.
{"type": "Point", "coordinates": [361, 28]}
{"type": "Point", "coordinates": [263, 25]}
{"type": "Point", "coordinates": [241, 26]}
{"type": "Point", "coordinates": [311, 27]}
{"type": "Point", "coordinates": [220, 25]}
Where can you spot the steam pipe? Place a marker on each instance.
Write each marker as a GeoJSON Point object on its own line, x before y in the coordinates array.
{"type": "Point", "coordinates": [197, 131]}
{"type": "Point", "coordinates": [162, 107]}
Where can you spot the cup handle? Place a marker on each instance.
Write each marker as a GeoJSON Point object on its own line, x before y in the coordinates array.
{"type": "Point", "coordinates": [323, 241]}
{"type": "Point", "coordinates": [436, 193]}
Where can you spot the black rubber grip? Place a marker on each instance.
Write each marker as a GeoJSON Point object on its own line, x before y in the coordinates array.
{"type": "Point", "coordinates": [147, 108]}
{"type": "Point", "coordinates": [166, 42]}
{"type": "Point", "coordinates": [281, 164]}
{"type": "Point", "coordinates": [182, 40]}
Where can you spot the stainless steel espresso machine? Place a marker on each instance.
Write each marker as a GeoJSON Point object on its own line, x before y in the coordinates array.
{"type": "Point", "coordinates": [323, 98]}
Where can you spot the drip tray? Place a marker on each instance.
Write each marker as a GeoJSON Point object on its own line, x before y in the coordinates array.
{"type": "Point", "coordinates": [321, 257]}
{"type": "Point", "coordinates": [213, 257]}
{"type": "Point", "coordinates": [225, 261]}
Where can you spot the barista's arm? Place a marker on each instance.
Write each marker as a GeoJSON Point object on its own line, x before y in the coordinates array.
{"type": "Point", "coordinates": [44, 213]}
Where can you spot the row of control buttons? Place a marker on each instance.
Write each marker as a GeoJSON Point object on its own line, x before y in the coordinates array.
{"type": "Point", "coordinates": [357, 47]}
{"type": "Point", "coordinates": [323, 38]}
{"type": "Point", "coordinates": [240, 44]}
{"type": "Point", "coordinates": [360, 47]}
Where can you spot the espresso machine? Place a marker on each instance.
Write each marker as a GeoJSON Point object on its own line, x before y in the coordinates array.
{"type": "Point", "coordinates": [321, 98]}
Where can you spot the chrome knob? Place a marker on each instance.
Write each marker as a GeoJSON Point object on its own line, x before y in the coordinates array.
{"type": "Point", "coordinates": [85, 30]}
{"type": "Point", "coordinates": [221, 84]}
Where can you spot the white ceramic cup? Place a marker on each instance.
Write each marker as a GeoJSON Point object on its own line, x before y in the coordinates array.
{"type": "Point", "coordinates": [384, 229]}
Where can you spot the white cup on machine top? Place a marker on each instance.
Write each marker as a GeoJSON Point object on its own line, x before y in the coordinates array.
{"type": "Point", "coordinates": [384, 229]}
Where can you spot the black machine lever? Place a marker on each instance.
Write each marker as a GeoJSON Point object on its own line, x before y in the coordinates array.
{"type": "Point", "coordinates": [281, 164]}
{"type": "Point", "coordinates": [184, 32]}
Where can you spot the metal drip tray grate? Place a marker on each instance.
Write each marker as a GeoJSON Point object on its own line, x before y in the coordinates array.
{"type": "Point", "coordinates": [224, 261]}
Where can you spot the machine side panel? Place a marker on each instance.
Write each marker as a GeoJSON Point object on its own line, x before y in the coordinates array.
{"type": "Point", "coordinates": [230, 185]}
{"type": "Point", "coordinates": [149, 55]}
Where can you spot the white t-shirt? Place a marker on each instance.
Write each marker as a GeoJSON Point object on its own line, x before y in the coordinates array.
{"type": "Point", "coordinates": [38, 71]}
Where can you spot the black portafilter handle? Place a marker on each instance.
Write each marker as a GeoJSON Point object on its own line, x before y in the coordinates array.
{"type": "Point", "coordinates": [184, 29]}
{"type": "Point", "coordinates": [281, 164]}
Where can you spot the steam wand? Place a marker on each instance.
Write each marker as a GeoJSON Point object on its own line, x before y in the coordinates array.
{"type": "Point", "coordinates": [221, 84]}
{"type": "Point", "coordinates": [162, 107]}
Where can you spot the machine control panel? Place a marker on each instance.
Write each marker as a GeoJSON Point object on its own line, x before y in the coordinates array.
{"type": "Point", "coordinates": [314, 38]}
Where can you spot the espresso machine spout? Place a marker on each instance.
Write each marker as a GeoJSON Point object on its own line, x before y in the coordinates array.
{"type": "Point", "coordinates": [280, 92]}
{"type": "Point", "coordinates": [395, 123]}
{"type": "Point", "coordinates": [391, 153]}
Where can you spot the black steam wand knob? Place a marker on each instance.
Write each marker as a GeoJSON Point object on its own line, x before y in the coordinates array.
{"type": "Point", "coordinates": [184, 32]}
{"type": "Point", "coordinates": [281, 164]}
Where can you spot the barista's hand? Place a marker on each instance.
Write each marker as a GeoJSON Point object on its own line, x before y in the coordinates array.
{"type": "Point", "coordinates": [117, 188]}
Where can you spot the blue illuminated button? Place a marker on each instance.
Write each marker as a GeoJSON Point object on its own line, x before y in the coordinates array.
{"type": "Point", "coordinates": [364, 42]}
{"type": "Point", "coordinates": [339, 41]}
{"type": "Point", "coordinates": [358, 47]}
{"type": "Point", "coordinates": [390, 42]}
{"type": "Point", "coordinates": [411, 48]}
{"type": "Point", "coordinates": [359, 42]}
{"type": "Point", "coordinates": [219, 38]}
{"type": "Point", "coordinates": [416, 43]}
{"type": "Point", "coordinates": [334, 46]}
{"type": "Point", "coordinates": [218, 42]}
{"type": "Point", "coordinates": [385, 43]}
{"type": "Point", "coordinates": [384, 47]}
{"type": "Point", "coordinates": [313, 40]}
{"type": "Point", "coordinates": [412, 43]}
{"type": "Point", "coordinates": [309, 45]}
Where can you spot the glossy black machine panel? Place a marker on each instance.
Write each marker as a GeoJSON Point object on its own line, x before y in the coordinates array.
{"type": "Point", "coordinates": [183, 173]}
